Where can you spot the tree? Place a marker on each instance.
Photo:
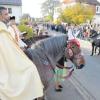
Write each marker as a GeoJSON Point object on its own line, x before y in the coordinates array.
{"type": "Point", "coordinates": [48, 18]}
{"type": "Point", "coordinates": [48, 7]}
{"type": "Point", "coordinates": [57, 21]}
{"type": "Point", "coordinates": [77, 14]}
{"type": "Point", "coordinates": [25, 19]}
{"type": "Point", "coordinates": [26, 25]}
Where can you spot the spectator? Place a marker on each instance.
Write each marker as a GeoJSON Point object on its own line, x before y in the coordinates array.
{"type": "Point", "coordinates": [59, 74]}
{"type": "Point", "coordinates": [16, 34]}
{"type": "Point", "coordinates": [70, 32]}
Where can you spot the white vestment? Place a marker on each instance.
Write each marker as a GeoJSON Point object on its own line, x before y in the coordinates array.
{"type": "Point", "coordinates": [19, 78]}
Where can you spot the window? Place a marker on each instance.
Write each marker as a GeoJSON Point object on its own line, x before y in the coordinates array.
{"type": "Point", "coordinates": [97, 9]}
{"type": "Point", "coordinates": [10, 10]}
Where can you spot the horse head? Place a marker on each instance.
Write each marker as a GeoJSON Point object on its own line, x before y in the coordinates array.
{"type": "Point", "coordinates": [73, 52]}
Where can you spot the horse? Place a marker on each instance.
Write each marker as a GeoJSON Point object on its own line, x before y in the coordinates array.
{"type": "Point", "coordinates": [45, 53]}
{"type": "Point", "coordinates": [48, 50]}
{"type": "Point", "coordinates": [93, 34]}
{"type": "Point", "coordinates": [95, 38]}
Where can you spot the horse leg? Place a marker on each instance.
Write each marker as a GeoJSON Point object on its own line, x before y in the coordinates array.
{"type": "Point", "coordinates": [95, 49]}
{"type": "Point", "coordinates": [99, 51]}
{"type": "Point", "coordinates": [92, 49]}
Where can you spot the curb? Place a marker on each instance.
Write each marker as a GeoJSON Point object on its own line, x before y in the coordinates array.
{"type": "Point", "coordinates": [81, 89]}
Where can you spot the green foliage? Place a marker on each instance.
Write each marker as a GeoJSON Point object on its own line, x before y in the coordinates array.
{"type": "Point", "coordinates": [24, 21]}
{"type": "Point", "coordinates": [48, 18]}
{"type": "Point", "coordinates": [77, 14]}
{"type": "Point", "coordinates": [25, 28]}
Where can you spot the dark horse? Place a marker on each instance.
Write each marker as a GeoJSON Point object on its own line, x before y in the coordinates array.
{"type": "Point", "coordinates": [45, 54]}
{"type": "Point", "coordinates": [95, 37]}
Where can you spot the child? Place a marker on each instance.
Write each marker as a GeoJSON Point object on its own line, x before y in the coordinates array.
{"type": "Point", "coordinates": [59, 74]}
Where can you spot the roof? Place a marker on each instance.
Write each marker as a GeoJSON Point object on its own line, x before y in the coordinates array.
{"type": "Point", "coordinates": [11, 2]}
{"type": "Point", "coordinates": [92, 2]}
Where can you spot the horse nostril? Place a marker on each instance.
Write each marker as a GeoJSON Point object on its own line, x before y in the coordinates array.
{"type": "Point", "coordinates": [81, 66]}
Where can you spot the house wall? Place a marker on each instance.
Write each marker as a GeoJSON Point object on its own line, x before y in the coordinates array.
{"type": "Point", "coordinates": [72, 2]}
{"type": "Point", "coordinates": [94, 8]}
{"type": "Point", "coordinates": [97, 16]}
{"type": "Point", "coordinates": [16, 11]}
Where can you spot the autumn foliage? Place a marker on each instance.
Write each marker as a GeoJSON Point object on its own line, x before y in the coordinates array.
{"type": "Point", "coordinates": [77, 14]}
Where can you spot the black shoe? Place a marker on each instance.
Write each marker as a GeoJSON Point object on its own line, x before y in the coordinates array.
{"type": "Point", "coordinates": [58, 90]}
{"type": "Point", "coordinates": [60, 86]}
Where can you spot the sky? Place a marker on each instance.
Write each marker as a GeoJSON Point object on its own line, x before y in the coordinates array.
{"type": "Point", "coordinates": [32, 7]}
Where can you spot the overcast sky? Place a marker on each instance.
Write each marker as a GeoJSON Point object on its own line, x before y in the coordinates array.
{"type": "Point", "coordinates": [32, 7]}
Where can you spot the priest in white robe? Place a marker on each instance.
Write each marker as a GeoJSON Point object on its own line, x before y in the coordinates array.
{"type": "Point", "coordinates": [19, 78]}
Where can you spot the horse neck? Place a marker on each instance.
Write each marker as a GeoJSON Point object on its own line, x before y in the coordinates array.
{"type": "Point", "coordinates": [53, 46]}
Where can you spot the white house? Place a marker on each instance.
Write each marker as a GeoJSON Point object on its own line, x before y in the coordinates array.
{"type": "Point", "coordinates": [14, 7]}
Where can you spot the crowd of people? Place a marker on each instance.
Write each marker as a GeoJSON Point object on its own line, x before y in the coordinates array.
{"type": "Point", "coordinates": [83, 31]}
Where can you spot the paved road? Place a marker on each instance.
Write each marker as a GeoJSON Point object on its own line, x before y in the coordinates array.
{"type": "Point", "coordinates": [84, 83]}
{"type": "Point", "coordinates": [89, 77]}
{"type": "Point", "coordinates": [69, 92]}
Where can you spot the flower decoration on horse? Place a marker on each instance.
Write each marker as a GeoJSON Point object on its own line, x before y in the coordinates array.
{"type": "Point", "coordinates": [73, 52]}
